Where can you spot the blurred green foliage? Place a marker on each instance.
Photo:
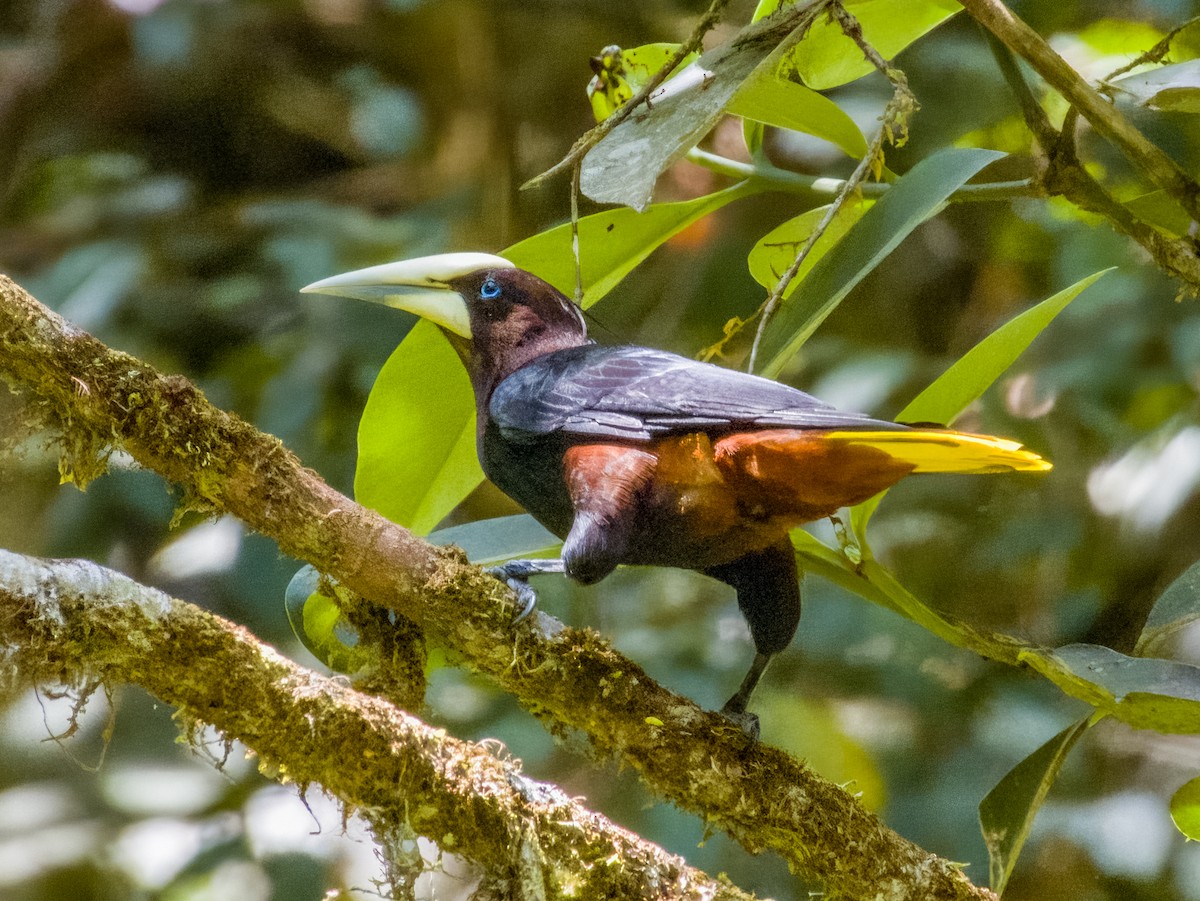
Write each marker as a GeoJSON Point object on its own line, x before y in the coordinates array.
{"type": "Point", "coordinates": [171, 173]}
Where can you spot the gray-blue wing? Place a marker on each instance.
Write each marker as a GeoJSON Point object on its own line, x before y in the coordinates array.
{"type": "Point", "coordinates": [638, 393]}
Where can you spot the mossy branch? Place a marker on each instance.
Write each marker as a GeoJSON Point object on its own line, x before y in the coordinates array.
{"type": "Point", "coordinates": [766, 800]}
{"type": "Point", "coordinates": [70, 621]}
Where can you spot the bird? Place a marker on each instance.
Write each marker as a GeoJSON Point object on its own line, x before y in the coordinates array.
{"type": "Point", "coordinates": [637, 456]}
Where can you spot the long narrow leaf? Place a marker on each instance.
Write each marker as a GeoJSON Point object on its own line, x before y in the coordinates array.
{"type": "Point", "coordinates": [973, 373]}
{"type": "Point", "coordinates": [913, 199]}
{"type": "Point", "coordinates": [1007, 813]}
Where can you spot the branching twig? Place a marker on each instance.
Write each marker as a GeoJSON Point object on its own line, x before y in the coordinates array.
{"type": "Point", "coordinates": [1155, 54]}
{"type": "Point", "coordinates": [597, 133]}
{"type": "Point", "coordinates": [760, 796]}
{"type": "Point", "coordinates": [1105, 118]}
{"type": "Point", "coordinates": [1061, 172]}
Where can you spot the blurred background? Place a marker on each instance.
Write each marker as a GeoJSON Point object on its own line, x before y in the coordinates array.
{"type": "Point", "coordinates": [171, 173]}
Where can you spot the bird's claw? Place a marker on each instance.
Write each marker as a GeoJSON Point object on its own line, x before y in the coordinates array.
{"type": "Point", "coordinates": [515, 574]}
{"type": "Point", "coordinates": [745, 720]}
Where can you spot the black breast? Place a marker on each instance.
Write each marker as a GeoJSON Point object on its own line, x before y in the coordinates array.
{"type": "Point", "coordinates": [530, 472]}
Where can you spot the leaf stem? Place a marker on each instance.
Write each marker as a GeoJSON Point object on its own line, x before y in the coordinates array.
{"type": "Point", "coordinates": [820, 187]}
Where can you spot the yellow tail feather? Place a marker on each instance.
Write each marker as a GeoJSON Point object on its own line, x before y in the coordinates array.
{"type": "Point", "coordinates": [937, 450]}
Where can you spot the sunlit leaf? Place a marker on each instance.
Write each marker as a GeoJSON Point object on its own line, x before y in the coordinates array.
{"type": "Point", "coordinates": [973, 373]}
{"type": "Point", "coordinates": [1146, 693]}
{"type": "Point", "coordinates": [827, 58]}
{"type": "Point", "coordinates": [317, 620]}
{"type": "Point", "coordinates": [504, 538]}
{"type": "Point", "coordinates": [785, 104]}
{"type": "Point", "coordinates": [1008, 811]}
{"type": "Point", "coordinates": [1185, 809]}
{"type": "Point", "coordinates": [775, 251]}
{"type": "Point", "coordinates": [622, 73]}
{"type": "Point", "coordinates": [1176, 608]}
{"type": "Point", "coordinates": [613, 242]}
{"type": "Point", "coordinates": [911, 200]}
{"type": "Point", "coordinates": [416, 449]}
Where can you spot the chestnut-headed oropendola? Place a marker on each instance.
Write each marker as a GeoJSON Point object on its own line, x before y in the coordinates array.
{"type": "Point", "coordinates": [638, 456]}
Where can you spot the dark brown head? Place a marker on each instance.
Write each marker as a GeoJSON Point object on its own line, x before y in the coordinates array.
{"type": "Point", "coordinates": [497, 317]}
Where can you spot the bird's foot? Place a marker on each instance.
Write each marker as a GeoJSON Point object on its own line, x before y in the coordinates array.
{"type": "Point", "coordinates": [744, 720]}
{"type": "Point", "coordinates": [515, 574]}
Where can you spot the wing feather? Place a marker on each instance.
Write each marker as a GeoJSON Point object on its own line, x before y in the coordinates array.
{"type": "Point", "coordinates": [638, 393]}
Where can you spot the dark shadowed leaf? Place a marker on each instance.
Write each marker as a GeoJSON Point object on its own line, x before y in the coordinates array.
{"type": "Point", "coordinates": [1177, 607]}
{"type": "Point", "coordinates": [1008, 811]}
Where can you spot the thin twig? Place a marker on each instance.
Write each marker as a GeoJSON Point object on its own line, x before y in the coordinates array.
{"type": "Point", "coordinates": [767, 309]}
{"type": "Point", "coordinates": [1155, 54]}
{"type": "Point", "coordinates": [894, 130]}
{"type": "Point", "coordinates": [598, 132]}
{"type": "Point", "coordinates": [575, 250]}
{"type": "Point", "coordinates": [1061, 172]}
{"type": "Point", "coordinates": [821, 187]}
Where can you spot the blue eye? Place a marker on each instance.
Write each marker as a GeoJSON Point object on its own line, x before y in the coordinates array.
{"type": "Point", "coordinates": [489, 289]}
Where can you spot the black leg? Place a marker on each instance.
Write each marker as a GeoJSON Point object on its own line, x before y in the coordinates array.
{"type": "Point", "coordinates": [516, 573]}
{"type": "Point", "coordinates": [768, 593]}
{"type": "Point", "coordinates": [735, 707]}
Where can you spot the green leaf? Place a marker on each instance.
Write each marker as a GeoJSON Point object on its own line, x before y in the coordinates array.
{"type": "Point", "coordinates": [785, 104]}
{"type": "Point", "coordinates": [827, 58]}
{"type": "Point", "coordinates": [1177, 607]}
{"type": "Point", "coordinates": [316, 619]}
{"type": "Point", "coordinates": [1161, 210]}
{"type": "Point", "coordinates": [973, 373]}
{"type": "Point", "coordinates": [622, 73]}
{"type": "Point", "coordinates": [503, 538]}
{"type": "Point", "coordinates": [1008, 811]}
{"type": "Point", "coordinates": [911, 200]}
{"type": "Point", "coordinates": [1146, 693]}
{"type": "Point", "coordinates": [416, 449]}
{"type": "Point", "coordinates": [613, 242]}
{"type": "Point", "coordinates": [416, 446]}
{"type": "Point", "coordinates": [774, 252]}
{"type": "Point", "coordinates": [1185, 809]}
